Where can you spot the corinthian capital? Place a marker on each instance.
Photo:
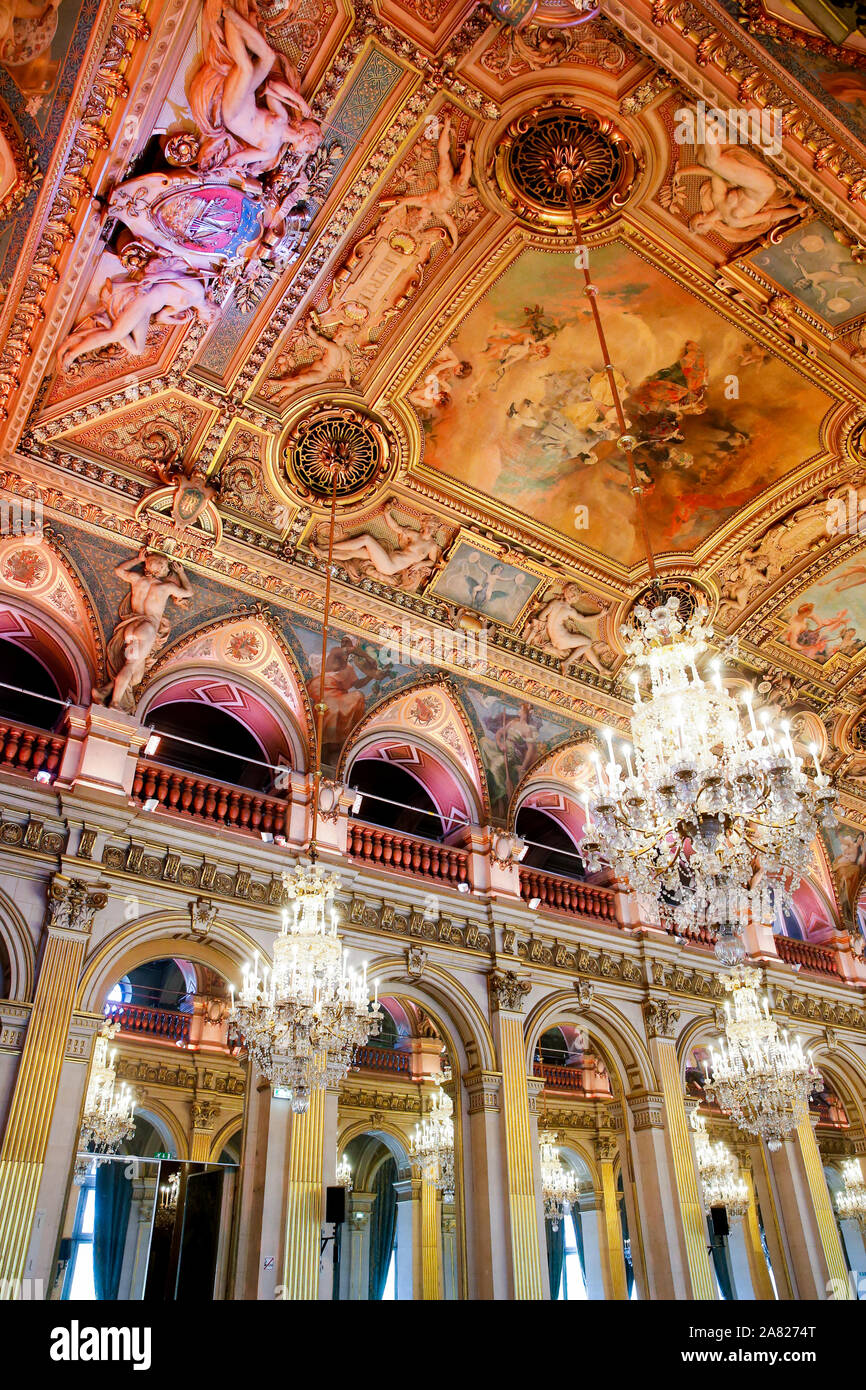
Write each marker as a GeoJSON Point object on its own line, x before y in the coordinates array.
{"type": "Point", "coordinates": [72, 905]}
{"type": "Point", "coordinates": [508, 991]}
{"type": "Point", "coordinates": [661, 1018]}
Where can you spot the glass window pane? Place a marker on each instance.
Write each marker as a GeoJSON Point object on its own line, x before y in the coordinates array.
{"type": "Point", "coordinates": [87, 1211]}
{"type": "Point", "coordinates": [82, 1285]}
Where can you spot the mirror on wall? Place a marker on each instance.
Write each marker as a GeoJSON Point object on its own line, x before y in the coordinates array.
{"type": "Point", "coordinates": [148, 1229]}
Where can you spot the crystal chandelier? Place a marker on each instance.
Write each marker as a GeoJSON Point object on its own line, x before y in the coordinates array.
{"type": "Point", "coordinates": [344, 1174]}
{"type": "Point", "coordinates": [722, 1184]}
{"type": "Point", "coordinates": [559, 1184]}
{"type": "Point", "coordinates": [432, 1145]}
{"type": "Point", "coordinates": [109, 1110]}
{"type": "Point", "coordinates": [303, 1018]}
{"type": "Point", "coordinates": [761, 1077]}
{"type": "Point", "coordinates": [705, 799]}
{"type": "Point", "coordinates": [851, 1201]}
{"type": "Point", "coordinates": [706, 802]}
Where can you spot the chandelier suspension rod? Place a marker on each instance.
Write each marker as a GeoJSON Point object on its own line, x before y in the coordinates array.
{"type": "Point", "coordinates": [321, 707]}
{"type": "Point", "coordinates": [565, 177]}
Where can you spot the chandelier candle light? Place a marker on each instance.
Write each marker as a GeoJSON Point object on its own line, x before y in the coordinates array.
{"type": "Point", "coordinates": [559, 1184]}
{"type": "Point", "coordinates": [303, 1018]}
{"type": "Point", "coordinates": [851, 1201]}
{"type": "Point", "coordinates": [701, 799]}
{"type": "Point", "coordinates": [700, 802]}
{"type": "Point", "coordinates": [722, 1183]}
{"type": "Point", "coordinates": [432, 1145]}
{"type": "Point", "coordinates": [109, 1110]}
{"type": "Point", "coordinates": [762, 1077]}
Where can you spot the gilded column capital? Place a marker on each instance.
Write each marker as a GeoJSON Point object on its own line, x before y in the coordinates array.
{"type": "Point", "coordinates": [204, 1113]}
{"type": "Point", "coordinates": [483, 1089]}
{"type": "Point", "coordinates": [661, 1018]}
{"type": "Point", "coordinates": [72, 906]}
{"type": "Point", "coordinates": [508, 991]}
{"type": "Point", "coordinates": [606, 1148]}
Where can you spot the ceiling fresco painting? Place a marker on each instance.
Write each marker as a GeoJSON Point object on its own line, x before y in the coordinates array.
{"type": "Point", "coordinates": [532, 423]}
{"type": "Point", "coordinates": [238, 240]}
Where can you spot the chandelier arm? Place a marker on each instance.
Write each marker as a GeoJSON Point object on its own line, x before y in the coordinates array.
{"type": "Point", "coordinates": [321, 706]}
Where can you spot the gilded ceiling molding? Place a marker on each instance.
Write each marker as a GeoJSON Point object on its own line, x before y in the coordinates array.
{"type": "Point", "coordinates": [66, 188]}
{"type": "Point", "coordinates": [714, 39]}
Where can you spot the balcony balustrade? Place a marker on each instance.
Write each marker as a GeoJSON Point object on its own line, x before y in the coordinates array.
{"type": "Point", "coordinates": [29, 751]}
{"type": "Point", "coordinates": [218, 803]}
{"type": "Point", "coordinates": [819, 960]}
{"type": "Point", "coordinates": [388, 849]}
{"type": "Point", "coordinates": [567, 895]}
{"type": "Point", "coordinates": [167, 1025]}
{"type": "Point", "coordinates": [382, 1059]}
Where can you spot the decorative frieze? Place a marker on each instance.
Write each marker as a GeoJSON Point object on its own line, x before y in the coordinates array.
{"type": "Point", "coordinates": [647, 1110]}
{"type": "Point", "coordinates": [32, 834]}
{"type": "Point", "coordinates": [403, 1102]}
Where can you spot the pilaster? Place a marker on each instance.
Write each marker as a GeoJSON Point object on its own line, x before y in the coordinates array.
{"type": "Point", "coordinates": [507, 993]}
{"type": "Point", "coordinates": [611, 1233]}
{"type": "Point", "coordinates": [72, 905]}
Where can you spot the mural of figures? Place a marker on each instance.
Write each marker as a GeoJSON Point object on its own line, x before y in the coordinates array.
{"type": "Point", "coordinates": [475, 579]}
{"type": "Point", "coordinates": [532, 425]}
{"type": "Point", "coordinates": [848, 862]}
{"type": "Point", "coordinates": [828, 618]}
{"type": "Point", "coordinates": [512, 736]}
{"type": "Point", "coordinates": [358, 674]}
{"type": "Point", "coordinates": [813, 267]}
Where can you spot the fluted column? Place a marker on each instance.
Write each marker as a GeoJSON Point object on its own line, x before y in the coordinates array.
{"type": "Point", "coordinates": [431, 1239]}
{"type": "Point", "coordinates": [409, 1274]}
{"type": "Point", "coordinates": [661, 1020]}
{"type": "Point", "coordinates": [305, 1201]}
{"type": "Point", "coordinates": [507, 994]}
{"type": "Point", "coordinates": [828, 1231]}
{"type": "Point", "coordinates": [72, 905]}
{"type": "Point", "coordinates": [762, 1287]}
{"type": "Point", "coordinates": [614, 1257]}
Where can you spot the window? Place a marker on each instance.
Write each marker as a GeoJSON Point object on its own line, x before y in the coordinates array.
{"type": "Point", "coordinates": [389, 1293]}
{"type": "Point", "coordinates": [573, 1283]}
{"type": "Point", "coordinates": [79, 1283]}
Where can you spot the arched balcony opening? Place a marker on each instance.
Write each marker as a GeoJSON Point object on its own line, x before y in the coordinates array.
{"type": "Point", "coordinates": [39, 702]}
{"type": "Point", "coordinates": [395, 800]}
{"type": "Point", "coordinates": [208, 742]}
{"type": "Point", "coordinates": [567, 1062]}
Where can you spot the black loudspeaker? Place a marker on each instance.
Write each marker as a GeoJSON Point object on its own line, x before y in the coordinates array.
{"type": "Point", "coordinates": [720, 1220]}
{"type": "Point", "coordinates": [335, 1205]}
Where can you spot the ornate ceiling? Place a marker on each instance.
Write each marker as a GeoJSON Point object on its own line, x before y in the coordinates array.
{"type": "Point", "coordinates": [239, 237]}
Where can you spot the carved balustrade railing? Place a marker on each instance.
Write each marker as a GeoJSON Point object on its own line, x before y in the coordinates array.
{"type": "Point", "coordinates": [568, 895]}
{"type": "Point", "coordinates": [388, 849]}
{"type": "Point", "coordinates": [219, 803]}
{"type": "Point", "coordinates": [168, 1024]}
{"type": "Point", "coordinates": [27, 750]}
{"type": "Point", "coordinates": [382, 1059]}
{"type": "Point", "coordinates": [820, 960]}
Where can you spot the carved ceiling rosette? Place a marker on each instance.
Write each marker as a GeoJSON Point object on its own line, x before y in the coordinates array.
{"type": "Point", "coordinates": [536, 144]}
{"type": "Point", "coordinates": [355, 438]}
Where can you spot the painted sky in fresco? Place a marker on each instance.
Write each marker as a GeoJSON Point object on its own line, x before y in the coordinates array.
{"type": "Point", "coordinates": [532, 424]}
